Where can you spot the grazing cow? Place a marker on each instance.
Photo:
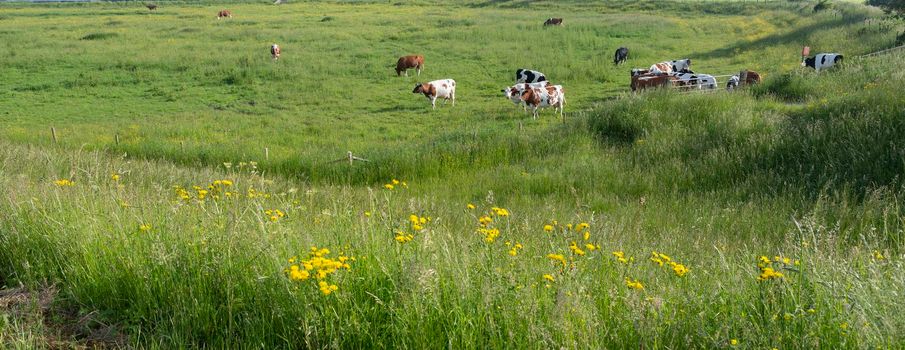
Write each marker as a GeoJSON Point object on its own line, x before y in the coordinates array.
{"type": "Point", "coordinates": [648, 81]}
{"type": "Point", "coordinates": [733, 83]}
{"type": "Point", "coordinates": [553, 22]}
{"type": "Point", "coordinates": [822, 61]}
{"type": "Point", "coordinates": [750, 77]}
{"type": "Point", "coordinates": [671, 66]}
{"type": "Point", "coordinates": [695, 81]}
{"type": "Point", "coordinates": [620, 56]}
{"type": "Point", "coordinates": [224, 13]}
{"type": "Point", "coordinates": [406, 62]}
{"type": "Point", "coordinates": [529, 76]}
{"type": "Point", "coordinates": [444, 88]}
{"type": "Point", "coordinates": [151, 7]}
{"type": "Point", "coordinates": [514, 93]}
{"type": "Point", "coordinates": [542, 97]}
{"type": "Point", "coordinates": [275, 51]}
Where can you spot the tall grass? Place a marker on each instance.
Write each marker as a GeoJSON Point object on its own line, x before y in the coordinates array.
{"type": "Point", "coordinates": [804, 167]}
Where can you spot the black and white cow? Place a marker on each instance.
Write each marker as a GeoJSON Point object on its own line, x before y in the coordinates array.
{"type": "Point", "coordinates": [620, 56]}
{"type": "Point", "coordinates": [695, 81]}
{"type": "Point", "coordinates": [733, 82]}
{"type": "Point", "coordinates": [529, 76]}
{"type": "Point", "coordinates": [822, 61]}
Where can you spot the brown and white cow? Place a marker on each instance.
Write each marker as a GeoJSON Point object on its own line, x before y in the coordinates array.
{"type": "Point", "coordinates": [542, 97]}
{"type": "Point", "coordinates": [275, 51]}
{"type": "Point", "coordinates": [443, 88]}
{"type": "Point", "coordinates": [648, 81]}
{"type": "Point", "coordinates": [224, 13]}
{"type": "Point", "coordinates": [514, 93]}
{"type": "Point", "coordinates": [411, 61]}
{"type": "Point", "coordinates": [553, 22]}
{"type": "Point", "coordinates": [674, 66]}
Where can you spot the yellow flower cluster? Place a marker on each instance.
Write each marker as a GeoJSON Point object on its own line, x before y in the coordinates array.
{"type": "Point", "coordinates": [394, 183]}
{"type": "Point", "coordinates": [274, 214]}
{"type": "Point", "coordinates": [114, 176]}
{"type": "Point", "coordinates": [767, 272]}
{"type": "Point", "coordinates": [490, 234]}
{"type": "Point", "coordinates": [144, 227]}
{"type": "Point", "coordinates": [470, 206]}
{"type": "Point", "coordinates": [549, 278]}
{"type": "Point", "coordinates": [403, 237]}
{"type": "Point", "coordinates": [64, 182]}
{"type": "Point", "coordinates": [502, 212]}
{"type": "Point", "coordinates": [320, 266]}
{"type": "Point", "coordinates": [485, 224]}
{"type": "Point", "coordinates": [215, 190]}
{"type": "Point", "coordinates": [633, 284]}
{"type": "Point", "coordinates": [620, 257]}
{"type": "Point", "coordinates": [664, 260]}
{"type": "Point", "coordinates": [557, 258]}
{"type": "Point", "coordinates": [513, 250]}
{"type": "Point", "coordinates": [417, 224]}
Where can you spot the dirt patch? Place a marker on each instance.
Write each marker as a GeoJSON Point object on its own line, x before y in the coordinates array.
{"type": "Point", "coordinates": [58, 326]}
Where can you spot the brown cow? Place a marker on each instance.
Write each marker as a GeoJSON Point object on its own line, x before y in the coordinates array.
{"type": "Point", "coordinates": [151, 7]}
{"type": "Point", "coordinates": [275, 51]}
{"type": "Point", "coordinates": [553, 22]}
{"type": "Point", "coordinates": [406, 62]}
{"type": "Point", "coordinates": [749, 77]}
{"type": "Point", "coordinates": [647, 81]}
{"type": "Point", "coordinates": [224, 13]}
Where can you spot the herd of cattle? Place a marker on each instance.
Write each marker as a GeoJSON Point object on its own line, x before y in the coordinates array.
{"type": "Point", "coordinates": [533, 90]}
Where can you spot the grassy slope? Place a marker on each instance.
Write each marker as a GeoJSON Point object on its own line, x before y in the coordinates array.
{"type": "Point", "coordinates": [722, 177]}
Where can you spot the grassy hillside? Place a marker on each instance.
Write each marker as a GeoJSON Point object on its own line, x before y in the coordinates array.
{"type": "Point", "coordinates": [802, 171]}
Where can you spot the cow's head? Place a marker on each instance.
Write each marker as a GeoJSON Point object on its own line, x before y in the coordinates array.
{"type": "Point", "coordinates": [809, 62]}
{"type": "Point", "coordinates": [419, 88]}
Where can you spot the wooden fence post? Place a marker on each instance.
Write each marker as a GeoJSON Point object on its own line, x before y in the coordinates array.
{"type": "Point", "coordinates": [53, 134]}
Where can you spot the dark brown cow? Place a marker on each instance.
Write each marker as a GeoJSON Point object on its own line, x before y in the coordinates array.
{"type": "Point", "coordinates": [553, 22]}
{"type": "Point", "coordinates": [151, 7]}
{"type": "Point", "coordinates": [647, 81]}
{"type": "Point", "coordinates": [406, 62]}
{"type": "Point", "coordinates": [224, 13]}
{"type": "Point", "coordinates": [749, 77]}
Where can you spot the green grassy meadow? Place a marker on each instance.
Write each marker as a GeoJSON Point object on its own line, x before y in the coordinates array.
{"type": "Point", "coordinates": [535, 232]}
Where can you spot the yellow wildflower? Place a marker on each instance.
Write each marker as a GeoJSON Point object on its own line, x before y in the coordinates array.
{"type": "Point", "coordinates": [144, 227]}
{"type": "Point", "coordinates": [470, 206]}
{"type": "Point", "coordinates": [679, 269]}
{"type": "Point", "coordinates": [114, 176]}
{"type": "Point", "coordinates": [733, 342]}
{"type": "Point", "coordinates": [64, 182]}
{"type": "Point", "coordinates": [549, 277]}
{"type": "Point", "coordinates": [557, 257]}
{"type": "Point", "coordinates": [548, 227]}
{"type": "Point", "coordinates": [633, 284]}
{"type": "Point", "coordinates": [388, 186]}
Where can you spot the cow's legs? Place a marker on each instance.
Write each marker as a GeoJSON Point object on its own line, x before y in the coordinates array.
{"type": "Point", "coordinates": [453, 96]}
{"type": "Point", "coordinates": [419, 71]}
{"type": "Point", "coordinates": [433, 103]}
